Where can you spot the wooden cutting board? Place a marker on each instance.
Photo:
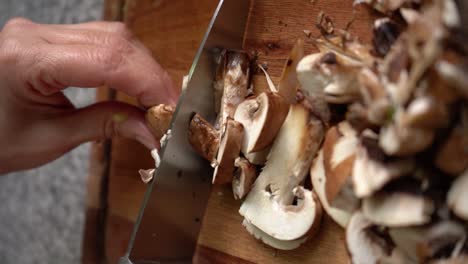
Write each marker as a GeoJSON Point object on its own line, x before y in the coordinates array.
{"type": "Point", "coordinates": [172, 30]}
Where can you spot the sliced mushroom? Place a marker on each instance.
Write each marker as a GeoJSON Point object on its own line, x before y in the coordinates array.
{"type": "Point", "coordinates": [271, 241]}
{"type": "Point", "coordinates": [386, 32]}
{"type": "Point", "coordinates": [452, 156]}
{"type": "Point", "coordinates": [159, 119]}
{"type": "Point", "coordinates": [398, 209]}
{"type": "Point", "coordinates": [331, 173]}
{"type": "Point", "coordinates": [364, 243]}
{"type": "Point", "coordinates": [426, 112]}
{"type": "Point", "coordinates": [203, 137]}
{"type": "Point", "coordinates": [258, 158]}
{"type": "Point", "coordinates": [462, 259]}
{"type": "Point", "coordinates": [396, 139]}
{"type": "Point", "coordinates": [325, 73]}
{"type": "Point", "coordinates": [317, 172]}
{"type": "Point", "coordinates": [277, 204]}
{"type": "Point", "coordinates": [244, 177]}
{"type": "Point", "coordinates": [457, 198]}
{"type": "Point", "coordinates": [370, 171]}
{"type": "Point", "coordinates": [420, 244]}
{"type": "Point", "coordinates": [288, 84]}
{"type": "Point", "coordinates": [262, 117]}
{"type": "Point", "coordinates": [146, 175]}
{"type": "Point", "coordinates": [229, 150]}
{"type": "Point", "coordinates": [385, 6]}
{"type": "Point", "coordinates": [235, 86]}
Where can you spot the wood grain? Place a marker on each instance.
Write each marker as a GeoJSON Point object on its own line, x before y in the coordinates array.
{"type": "Point", "coordinates": [172, 30]}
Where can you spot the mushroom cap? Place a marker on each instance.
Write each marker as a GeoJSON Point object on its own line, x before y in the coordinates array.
{"type": "Point", "coordinates": [277, 204]}
{"type": "Point", "coordinates": [262, 117]}
{"type": "Point", "coordinates": [324, 73]}
{"type": "Point", "coordinates": [457, 198]}
{"type": "Point", "coordinates": [398, 209]}
{"type": "Point", "coordinates": [317, 173]}
{"type": "Point", "coordinates": [244, 177]}
{"type": "Point", "coordinates": [203, 137]}
{"type": "Point", "coordinates": [364, 244]}
{"type": "Point", "coordinates": [229, 150]}
{"type": "Point", "coordinates": [159, 119]}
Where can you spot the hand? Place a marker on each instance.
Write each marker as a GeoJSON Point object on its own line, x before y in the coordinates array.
{"type": "Point", "coordinates": [37, 122]}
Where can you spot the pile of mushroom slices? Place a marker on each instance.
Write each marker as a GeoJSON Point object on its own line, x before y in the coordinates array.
{"type": "Point", "coordinates": [263, 144]}
{"type": "Point", "coordinates": [392, 169]}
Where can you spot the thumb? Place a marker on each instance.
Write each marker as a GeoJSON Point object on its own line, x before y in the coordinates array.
{"type": "Point", "coordinates": [105, 120]}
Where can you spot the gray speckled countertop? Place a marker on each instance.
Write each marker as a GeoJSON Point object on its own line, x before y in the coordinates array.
{"type": "Point", "coordinates": [42, 210]}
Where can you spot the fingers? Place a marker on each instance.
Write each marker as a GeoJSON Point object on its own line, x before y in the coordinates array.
{"type": "Point", "coordinates": [100, 121]}
{"type": "Point", "coordinates": [118, 66]}
{"type": "Point", "coordinates": [89, 55]}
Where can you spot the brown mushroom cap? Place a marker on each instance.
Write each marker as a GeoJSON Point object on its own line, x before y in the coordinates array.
{"type": "Point", "coordinates": [159, 119]}
{"type": "Point", "coordinates": [229, 150]}
{"type": "Point", "coordinates": [244, 176]}
{"type": "Point", "coordinates": [203, 137]}
{"type": "Point", "coordinates": [262, 117]}
{"type": "Point", "coordinates": [457, 198]}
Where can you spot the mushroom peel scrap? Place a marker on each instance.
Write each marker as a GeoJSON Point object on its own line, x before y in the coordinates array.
{"type": "Point", "coordinates": [277, 204]}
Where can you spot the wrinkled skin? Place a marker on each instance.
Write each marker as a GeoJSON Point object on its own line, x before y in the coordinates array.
{"type": "Point", "coordinates": [37, 122]}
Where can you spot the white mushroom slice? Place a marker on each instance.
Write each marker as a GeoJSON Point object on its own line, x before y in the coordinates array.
{"type": "Point", "coordinates": [229, 150]}
{"type": "Point", "coordinates": [244, 177]}
{"type": "Point", "coordinates": [271, 241]}
{"type": "Point", "coordinates": [398, 209]}
{"type": "Point", "coordinates": [324, 73]}
{"type": "Point", "coordinates": [203, 137]}
{"type": "Point", "coordinates": [146, 175]}
{"type": "Point", "coordinates": [370, 175]}
{"type": "Point", "coordinates": [317, 172]}
{"type": "Point", "coordinates": [277, 204]}
{"type": "Point", "coordinates": [262, 117]}
{"type": "Point", "coordinates": [288, 84]}
{"type": "Point", "coordinates": [236, 82]}
{"type": "Point", "coordinates": [331, 173]}
{"type": "Point", "coordinates": [258, 158]}
{"type": "Point", "coordinates": [364, 243]}
{"type": "Point", "coordinates": [422, 243]}
{"type": "Point", "coordinates": [457, 198]}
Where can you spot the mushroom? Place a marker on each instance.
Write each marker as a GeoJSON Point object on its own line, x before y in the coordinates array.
{"type": "Point", "coordinates": [426, 112]}
{"type": "Point", "coordinates": [452, 156]}
{"type": "Point", "coordinates": [457, 198]}
{"type": "Point", "coordinates": [229, 150]}
{"type": "Point", "coordinates": [328, 74]}
{"type": "Point", "coordinates": [159, 119]}
{"type": "Point", "coordinates": [288, 84]}
{"type": "Point", "coordinates": [385, 6]}
{"type": "Point", "coordinates": [386, 32]}
{"type": "Point", "coordinates": [397, 139]}
{"type": "Point", "coordinates": [371, 171]}
{"type": "Point", "coordinates": [271, 241]}
{"type": "Point", "coordinates": [420, 244]}
{"type": "Point", "coordinates": [398, 209]}
{"type": "Point", "coordinates": [262, 117]}
{"type": "Point", "coordinates": [203, 137]}
{"type": "Point", "coordinates": [277, 204]}
{"type": "Point", "coordinates": [146, 175]}
{"type": "Point", "coordinates": [244, 176]}
{"type": "Point", "coordinates": [258, 158]}
{"type": "Point", "coordinates": [235, 70]}
{"type": "Point", "coordinates": [364, 242]}
{"type": "Point", "coordinates": [331, 173]}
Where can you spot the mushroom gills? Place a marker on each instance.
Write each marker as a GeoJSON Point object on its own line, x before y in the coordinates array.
{"type": "Point", "coordinates": [277, 204]}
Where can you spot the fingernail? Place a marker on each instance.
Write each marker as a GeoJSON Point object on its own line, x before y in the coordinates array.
{"type": "Point", "coordinates": [119, 117]}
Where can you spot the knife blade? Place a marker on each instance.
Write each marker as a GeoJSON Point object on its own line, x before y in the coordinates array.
{"type": "Point", "coordinates": [169, 220]}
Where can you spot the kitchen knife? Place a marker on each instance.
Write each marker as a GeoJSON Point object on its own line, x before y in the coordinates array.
{"type": "Point", "coordinates": [169, 221]}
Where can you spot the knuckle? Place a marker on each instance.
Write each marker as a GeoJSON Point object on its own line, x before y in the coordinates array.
{"type": "Point", "coordinates": [10, 50]}
{"type": "Point", "coordinates": [121, 30]}
{"type": "Point", "coordinates": [112, 59]}
{"type": "Point", "coordinates": [16, 24]}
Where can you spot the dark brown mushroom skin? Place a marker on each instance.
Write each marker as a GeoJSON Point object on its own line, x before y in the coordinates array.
{"type": "Point", "coordinates": [159, 119]}
{"type": "Point", "coordinates": [203, 137]}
